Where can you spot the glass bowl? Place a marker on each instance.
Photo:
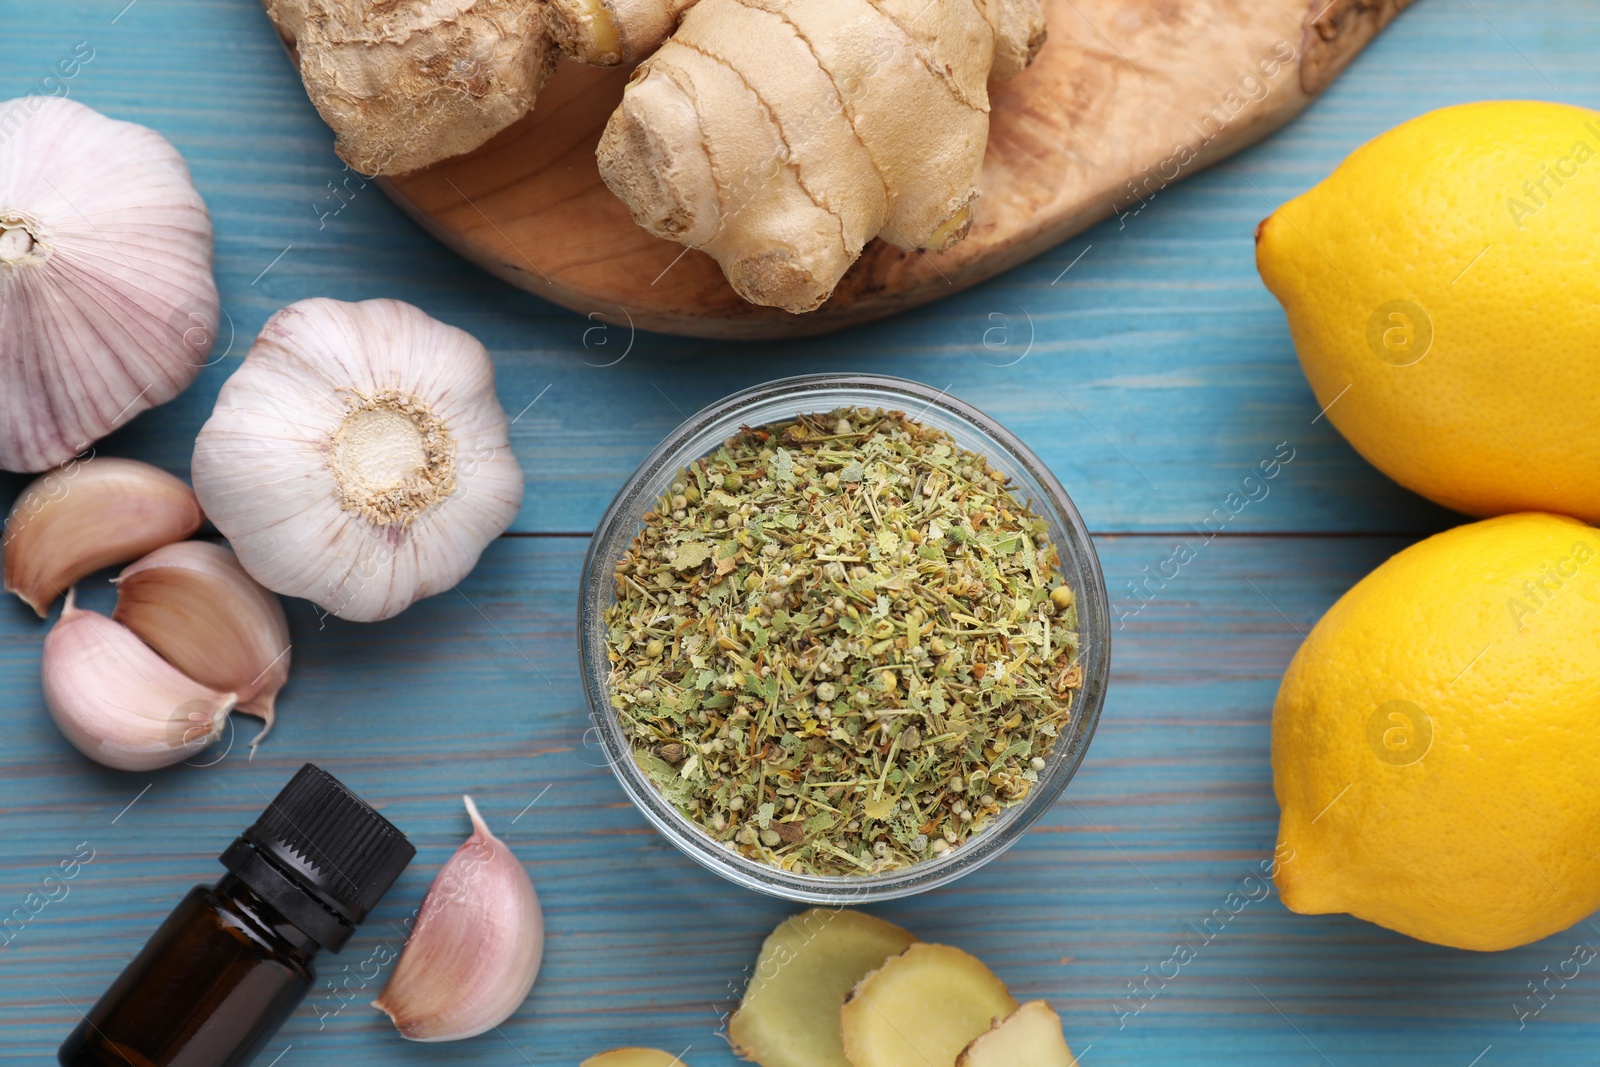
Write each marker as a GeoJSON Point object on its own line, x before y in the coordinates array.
{"type": "Point", "coordinates": [784, 399]}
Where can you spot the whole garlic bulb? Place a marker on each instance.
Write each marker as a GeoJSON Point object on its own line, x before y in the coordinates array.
{"type": "Point", "coordinates": [107, 304]}
{"type": "Point", "coordinates": [358, 457]}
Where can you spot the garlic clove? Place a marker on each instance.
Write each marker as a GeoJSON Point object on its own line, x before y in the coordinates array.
{"type": "Point", "coordinates": [107, 303]}
{"type": "Point", "coordinates": [89, 514]}
{"type": "Point", "coordinates": [118, 701]}
{"type": "Point", "coordinates": [359, 457]}
{"type": "Point", "coordinates": [194, 604]}
{"type": "Point", "coordinates": [476, 946]}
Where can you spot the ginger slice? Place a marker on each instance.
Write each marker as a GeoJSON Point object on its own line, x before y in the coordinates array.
{"type": "Point", "coordinates": [633, 1057]}
{"type": "Point", "coordinates": [1030, 1035]}
{"type": "Point", "coordinates": [790, 1013]}
{"type": "Point", "coordinates": [922, 1008]}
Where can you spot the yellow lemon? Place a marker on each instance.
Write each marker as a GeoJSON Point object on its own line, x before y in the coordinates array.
{"type": "Point", "coordinates": [1436, 740]}
{"type": "Point", "coordinates": [1443, 291]}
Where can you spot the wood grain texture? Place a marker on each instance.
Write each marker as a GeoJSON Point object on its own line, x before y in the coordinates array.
{"type": "Point", "coordinates": [1159, 372]}
{"type": "Point", "coordinates": [1125, 99]}
{"type": "Point", "coordinates": [473, 693]}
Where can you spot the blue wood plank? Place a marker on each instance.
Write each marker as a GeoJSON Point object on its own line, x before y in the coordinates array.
{"type": "Point", "coordinates": [1172, 811]}
{"type": "Point", "coordinates": [1159, 369]}
{"type": "Point", "coordinates": [1159, 373]}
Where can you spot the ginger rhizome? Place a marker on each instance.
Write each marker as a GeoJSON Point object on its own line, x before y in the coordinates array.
{"type": "Point", "coordinates": [608, 32]}
{"type": "Point", "coordinates": [406, 83]}
{"type": "Point", "coordinates": [781, 136]}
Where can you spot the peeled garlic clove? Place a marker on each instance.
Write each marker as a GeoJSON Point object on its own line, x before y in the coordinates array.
{"type": "Point", "coordinates": [359, 457]}
{"type": "Point", "coordinates": [195, 605]}
{"type": "Point", "coordinates": [89, 514]}
{"type": "Point", "coordinates": [475, 949]}
{"type": "Point", "coordinates": [118, 701]}
{"type": "Point", "coordinates": [107, 305]}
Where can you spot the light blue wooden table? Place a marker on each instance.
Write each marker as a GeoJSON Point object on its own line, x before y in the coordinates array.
{"type": "Point", "coordinates": [1159, 373]}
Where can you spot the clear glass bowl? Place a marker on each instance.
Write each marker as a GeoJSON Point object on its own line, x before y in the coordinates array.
{"type": "Point", "coordinates": [777, 401]}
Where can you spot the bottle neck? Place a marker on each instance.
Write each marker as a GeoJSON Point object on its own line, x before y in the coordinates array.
{"type": "Point", "coordinates": [287, 894]}
{"type": "Point", "coordinates": [249, 905]}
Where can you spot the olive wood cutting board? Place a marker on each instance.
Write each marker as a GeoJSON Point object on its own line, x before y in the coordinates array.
{"type": "Point", "coordinates": [1126, 97]}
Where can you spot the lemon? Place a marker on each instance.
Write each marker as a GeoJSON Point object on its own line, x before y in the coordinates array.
{"type": "Point", "coordinates": [1443, 291]}
{"type": "Point", "coordinates": [1436, 740]}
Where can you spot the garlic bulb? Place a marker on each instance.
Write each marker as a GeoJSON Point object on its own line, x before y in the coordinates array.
{"type": "Point", "coordinates": [118, 701]}
{"type": "Point", "coordinates": [107, 305]}
{"type": "Point", "coordinates": [475, 949]}
{"type": "Point", "coordinates": [89, 514]}
{"type": "Point", "coordinates": [359, 457]}
{"type": "Point", "coordinates": [195, 605]}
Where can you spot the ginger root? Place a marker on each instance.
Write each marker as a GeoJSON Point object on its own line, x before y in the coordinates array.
{"type": "Point", "coordinates": [608, 32]}
{"type": "Point", "coordinates": [1021, 30]}
{"type": "Point", "coordinates": [781, 136]}
{"type": "Point", "coordinates": [406, 83]}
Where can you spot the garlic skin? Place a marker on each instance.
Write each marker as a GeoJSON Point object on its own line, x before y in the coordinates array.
{"type": "Point", "coordinates": [196, 606]}
{"type": "Point", "coordinates": [118, 701]}
{"type": "Point", "coordinates": [359, 457]}
{"type": "Point", "coordinates": [475, 949]}
{"type": "Point", "coordinates": [89, 514]}
{"type": "Point", "coordinates": [107, 304]}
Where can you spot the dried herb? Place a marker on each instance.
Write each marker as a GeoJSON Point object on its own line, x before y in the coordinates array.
{"type": "Point", "coordinates": [841, 644]}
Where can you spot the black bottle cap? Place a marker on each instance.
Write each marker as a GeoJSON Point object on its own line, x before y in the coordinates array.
{"type": "Point", "coordinates": [320, 855]}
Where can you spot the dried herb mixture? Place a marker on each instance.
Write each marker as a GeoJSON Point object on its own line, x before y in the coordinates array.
{"type": "Point", "coordinates": [841, 645]}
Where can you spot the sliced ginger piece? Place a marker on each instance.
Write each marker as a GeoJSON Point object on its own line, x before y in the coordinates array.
{"type": "Point", "coordinates": [634, 1057]}
{"type": "Point", "coordinates": [1029, 1037]}
{"type": "Point", "coordinates": [922, 1008]}
{"type": "Point", "coordinates": [790, 1013]}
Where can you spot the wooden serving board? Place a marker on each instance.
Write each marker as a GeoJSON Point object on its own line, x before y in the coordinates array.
{"type": "Point", "coordinates": [1127, 97]}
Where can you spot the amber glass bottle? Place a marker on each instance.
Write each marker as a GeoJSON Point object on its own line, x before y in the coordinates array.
{"type": "Point", "coordinates": [233, 960]}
